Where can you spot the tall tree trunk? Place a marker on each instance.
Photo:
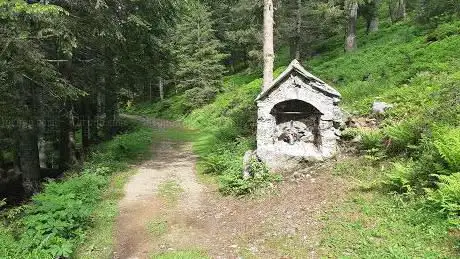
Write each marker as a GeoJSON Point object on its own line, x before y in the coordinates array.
{"type": "Point", "coordinates": [161, 88]}
{"type": "Point", "coordinates": [269, 54]}
{"type": "Point", "coordinates": [373, 19]}
{"type": "Point", "coordinates": [350, 42]}
{"type": "Point", "coordinates": [110, 108]}
{"type": "Point", "coordinates": [42, 152]}
{"type": "Point", "coordinates": [67, 155]}
{"type": "Point", "coordinates": [298, 30]}
{"type": "Point", "coordinates": [150, 91]}
{"type": "Point", "coordinates": [42, 143]}
{"type": "Point", "coordinates": [397, 10]}
{"type": "Point", "coordinates": [28, 155]}
{"type": "Point", "coordinates": [94, 119]}
{"type": "Point", "coordinates": [85, 126]}
{"type": "Point", "coordinates": [2, 159]}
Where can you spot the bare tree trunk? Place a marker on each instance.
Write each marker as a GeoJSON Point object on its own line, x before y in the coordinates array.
{"type": "Point", "coordinates": [28, 155]}
{"type": "Point", "coordinates": [85, 126]}
{"type": "Point", "coordinates": [2, 160]}
{"type": "Point", "coordinates": [397, 10]}
{"type": "Point", "coordinates": [298, 30]}
{"type": "Point", "coordinates": [43, 157]}
{"type": "Point", "coordinates": [373, 21]}
{"type": "Point", "coordinates": [269, 54]}
{"type": "Point", "coordinates": [94, 118]}
{"type": "Point", "coordinates": [150, 91]}
{"type": "Point", "coordinates": [110, 95]}
{"type": "Point", "coordinates": [110, 109]}
{"type": "Point", "coordinates": [350, 42]}
{"type": "Point", "coordinates": [161, 88]}
{"type": "Point", "coordinates": [67, 155]}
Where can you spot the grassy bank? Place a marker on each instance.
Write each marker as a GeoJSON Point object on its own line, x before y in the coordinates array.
{"type": "Point", "coordinates": [414, 152]}
{"type": "Point", "coordinates": [67, 211]}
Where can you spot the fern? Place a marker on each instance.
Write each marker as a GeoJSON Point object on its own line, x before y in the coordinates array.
{"type": "Point", "coordinates": [400, 179]}
{"type": "Point", "coordinates": [447, 144]}
{"type": "Point", "coordinates": [447, 197]}
{"type": "Point", "coordinates": [404, 136]}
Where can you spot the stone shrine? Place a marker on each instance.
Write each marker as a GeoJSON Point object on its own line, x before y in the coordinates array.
{"type": "Point", "coordinates": [298, 120]}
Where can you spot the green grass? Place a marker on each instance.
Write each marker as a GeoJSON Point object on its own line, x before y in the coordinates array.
{"type": "Point", "coordinates": [374, 224]}
{"type": "Point", "coordinates": [185, 254]}
{"type": "Point", "coordinates": [99, 242]}
{"type": "Point", "coordinates": [157, 227]}
{"type": "Point", "coordinates": [170, 192]}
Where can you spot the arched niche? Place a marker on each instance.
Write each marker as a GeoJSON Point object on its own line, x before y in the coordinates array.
{"type": "Point", "coordinates": [297, 122]}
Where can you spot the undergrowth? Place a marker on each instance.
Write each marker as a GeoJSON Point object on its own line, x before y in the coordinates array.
{"type": "Point", "coordinates": [55, 222]}
{"type": "Point", "coordinates": [413, 68]}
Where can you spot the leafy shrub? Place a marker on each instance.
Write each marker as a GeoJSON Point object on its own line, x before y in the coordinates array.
{"type": "Point", "coordinates": [403, 137]}
{"type": "Point", "coordinates": [445, 30]}
{"type": "Point", "coordinates": [198, 97]}
{"type": "Point", "coordinates": [372, 140]}
{"type": "Point", "coordinates": [350, 133]}
{"type": "Point", "coordinates": [234, 183]}
{"type": "Point", "coordinates": [448, 145]}
{"type": "Point", "coordinates": [401, 178]}
{"type": "Point", "coordinates": [447, 197]}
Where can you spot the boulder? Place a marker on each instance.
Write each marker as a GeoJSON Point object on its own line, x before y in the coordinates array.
{"type": "Point", "coordinates": [249, 156]}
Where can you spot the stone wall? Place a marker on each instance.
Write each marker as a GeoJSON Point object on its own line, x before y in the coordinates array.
{"type": "Point", "coordinates": [279, 155]}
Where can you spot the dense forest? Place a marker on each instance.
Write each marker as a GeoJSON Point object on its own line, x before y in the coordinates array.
{"type": "Point", "coordinates": [70, 70]}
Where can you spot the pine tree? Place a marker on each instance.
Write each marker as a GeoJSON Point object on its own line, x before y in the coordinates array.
{"type": "Point", "coordinates": [199, 67]}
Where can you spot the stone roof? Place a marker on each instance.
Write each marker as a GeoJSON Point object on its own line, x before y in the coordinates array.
{"type": "Point", "coordinates": [295, 66]}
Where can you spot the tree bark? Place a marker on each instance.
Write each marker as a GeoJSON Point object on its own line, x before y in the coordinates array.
{"type": "Point", "coordinates": [67, 155]}
{"type": "Point", "coordinates": [397, 10]}
{"type": "Point", "coordinates": [373, 21]}
{"type": "Point", "coordinates": [298, 30]}
{"type": "Point", "coordinates": [41, 129]}
{"type": "Point", "coordinates": [28, 155]}
{"type": "Point", "coordinates": [85, 126]}
{"type": "Point", "coordinates": [110, 108]}
{"type": "Point", "coordinates": [94, 119]}
{"type": "Point", "coordinates": [269, 54]}
{"type": "Point", "coordinates": [42, 152]}
{"type": "Point", "coordinates": [350, 42]}
{"type": "Point", "coordinates": [161, 88]}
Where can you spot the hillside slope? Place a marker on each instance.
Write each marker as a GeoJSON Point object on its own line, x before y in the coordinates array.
{"type": "Point", "coordinates": [406, 203]}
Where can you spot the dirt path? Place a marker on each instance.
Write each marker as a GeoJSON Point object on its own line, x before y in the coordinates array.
{"type": "Point", "coordinates": [283, 223]}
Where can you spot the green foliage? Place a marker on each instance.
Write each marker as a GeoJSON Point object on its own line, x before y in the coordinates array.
{"type": "Point", "coordinates": [198, 97]}
{"type": "Point", "coordinates": [401, 178]}
{"type": "Point", "coordinates": [447, 142]}
{"type": "Point", "coordinates": [350, 133]}
{"type": "Point", "coordinates": [262, 178]}
{"type": "Point", "coordinates": [403, 137]}
{"type": "Point", "coordinates": [170, 191]}
{"type": "Point", "coordinates": [157, 227]}
{"type": "Point", "coordinates": [184, 254]}
{"type": "Point", "coordinates": [372, 140]}
{"type": "Point", "coordinates": [198, 69]}
{"type": "Point", "coordinates": [56, 220]}
{"type": "Point", "coordinates": [447, 197]}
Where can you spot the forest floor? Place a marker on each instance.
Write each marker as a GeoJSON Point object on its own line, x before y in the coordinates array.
{"type": "Point", "coordinates": [171, 212]}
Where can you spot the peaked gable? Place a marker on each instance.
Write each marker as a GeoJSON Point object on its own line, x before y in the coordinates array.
{"type": "Point", "coordinates": [295, 66]}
